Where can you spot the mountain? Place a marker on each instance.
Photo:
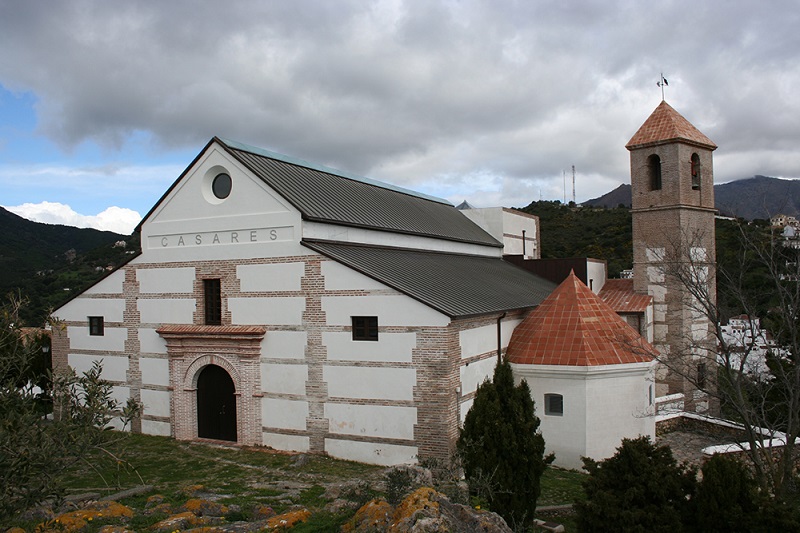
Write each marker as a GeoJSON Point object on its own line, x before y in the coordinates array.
{"type": "Point", "coordinates": [758, 197]}
{"type": "Point", "coordinates": [48, 262]}
{"type": "Point", "coordinates": [619, 196]}
{"type": "Point", "coordinates": [751, 198]}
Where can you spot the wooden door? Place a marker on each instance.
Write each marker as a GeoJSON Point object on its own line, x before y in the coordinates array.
{"type": "Point", "coordinates": [216, 404]}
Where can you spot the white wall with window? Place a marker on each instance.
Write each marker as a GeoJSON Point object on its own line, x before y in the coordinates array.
{"type": "Point", "coordinates": [586, 411]}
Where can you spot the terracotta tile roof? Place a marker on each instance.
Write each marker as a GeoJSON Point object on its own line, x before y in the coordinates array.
{"type": "Point", "coordinates": [197, 330]}
{"type": "Point", "coordinates": [666, 124]}
{"type": "Point", "coordinates": [574, 327]}
{"type": "Point", "coordinates": [620, 296]}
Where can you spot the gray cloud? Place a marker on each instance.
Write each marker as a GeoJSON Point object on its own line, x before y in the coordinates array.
{"type": "Point", "coordinates": [448, 96]}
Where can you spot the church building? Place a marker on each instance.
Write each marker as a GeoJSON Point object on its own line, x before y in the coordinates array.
{"type": "Point", "coordinates": [279, 303]}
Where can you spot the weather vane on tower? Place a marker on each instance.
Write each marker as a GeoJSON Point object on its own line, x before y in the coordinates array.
{"type": "Point", "coordinates": [663, 83]}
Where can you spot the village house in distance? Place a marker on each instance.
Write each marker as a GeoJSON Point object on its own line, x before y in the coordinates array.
{"type": "Point", "coordinates": [280, 303]}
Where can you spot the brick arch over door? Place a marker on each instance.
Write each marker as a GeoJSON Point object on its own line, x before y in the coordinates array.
{"type": "Point", "coordinates": [236, 349]}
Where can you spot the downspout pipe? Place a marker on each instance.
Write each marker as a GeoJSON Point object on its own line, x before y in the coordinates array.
{"type": "Point", "coordinates": [500, 337]}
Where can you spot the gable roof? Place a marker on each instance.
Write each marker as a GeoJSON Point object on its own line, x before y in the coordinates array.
{"type": "Point", "coordinates": [456, 285]}
{"type": "Point", "coordinates": [574, 327]}
{"type": "Point", "coordinates": [326, 195]}
{"type": "Point", "coordinates": [620, 296]}
{"type": "Point", "coordinates": [666, 125]}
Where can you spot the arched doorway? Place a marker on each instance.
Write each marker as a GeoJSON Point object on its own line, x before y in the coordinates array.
{"type": "Point", "coordinates": [216, 404]}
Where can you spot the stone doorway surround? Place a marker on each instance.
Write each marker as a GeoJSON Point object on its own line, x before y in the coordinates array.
{"type": "Point", "coordinates": [237, 349]}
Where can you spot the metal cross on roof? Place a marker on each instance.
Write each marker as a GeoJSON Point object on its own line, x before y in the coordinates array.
{"type": "Point", "coordinates": [662, 83]}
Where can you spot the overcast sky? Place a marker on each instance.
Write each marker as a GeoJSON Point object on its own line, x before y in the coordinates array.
{"type": "Point", "coordinates": [104, 103]}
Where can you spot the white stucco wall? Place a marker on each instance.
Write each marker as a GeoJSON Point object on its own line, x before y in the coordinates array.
{"type": "Point", "coordinates": [506, 226]}
{"type": "Point", "coordinates": [115, 368]}
{"type": "Point", "coordinates": [284, 414]}
{"type": "Point", "coordinates": [151, 342]}
{"type": "Point", "coordinates": [476, 342]}
{"type": "Point", "coordinates": [596, 274]}
{"type": "Point", "coordinates": [112, 339]}
{"type": "Point", "coordinates": [284, 345]}
{"type": "Point", "coordinates": [156, 402]}
{"type": "Point", "coordinates": [111, 284]}
{"type": "Point", "coordinates": [341, 278]}
{"type": "Point", "coordinates": [389, 348]}
{"type": "Point", "coordinates": [602, 405]}
{"type": "Point", "coordinates": [332, 232]}
{"type": "Point", "coordinates": [267, 310]}
{"type": "Point", "coordinates": [392, 310]}
{"type": "Point", "coordinates": [279, 441]}
{"type": "Point", "coordinates": [166, 280]}
{"type": "Point", "coordinates": [371, 420]}
{"type": "Point", "coordinates": [370, 383]}
{"type": "Point", "coordinates": [156, 427]}
{"type": "Point", "coordinates": [380, 454]}
{"type": "Point", "coordinates": [111, 309]}
{"type": "Point", "coordinates": [191, 224]}
{"type": "Point", "coordinates": [154, 371]}
{"type": "Point", "coordinates": [166, 311]}
{"type": "Point", "coordinates": [474, 374]}
{"type": "Point", "coordinates": [270, 277]}
{"type": "Point", "coordinates": [284, 379]}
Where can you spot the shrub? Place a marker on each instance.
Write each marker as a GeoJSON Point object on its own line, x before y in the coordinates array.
{"type": "Point", "coordinates": [35, 450]}
{"type": "Point", "coordinates": [726, 496]}
{"type": "Point", "coordinates": [640, 488]}
{"type": "Point", "coordinates": [501, 449]}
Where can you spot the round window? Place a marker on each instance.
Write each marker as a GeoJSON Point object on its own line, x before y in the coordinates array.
{"type": "Point", "coordinates": [221, 186]}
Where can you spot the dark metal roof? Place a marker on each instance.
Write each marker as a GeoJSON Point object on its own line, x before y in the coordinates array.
{"type": "Point", "coordinates": [457, 285]}
{"type": "Point", "coordinates": [325, 195]}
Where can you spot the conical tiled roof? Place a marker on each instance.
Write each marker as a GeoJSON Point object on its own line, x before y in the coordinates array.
{"type": "Point", "coordinates": [665, 124]}
{"type": "Point", "coordinates": [574, 327]}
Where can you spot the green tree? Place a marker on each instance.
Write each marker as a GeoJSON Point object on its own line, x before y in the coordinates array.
{"type": "Point", "coordinates": [759, 392]}
{"type": "Point", "coordinates": [726, 497]}
{"type": "Point", "coordinates": [501, 448]}
{"type": "Point", "coordinates": [36, 449]}
{"type": "Point", "coordinates": [640, 488]}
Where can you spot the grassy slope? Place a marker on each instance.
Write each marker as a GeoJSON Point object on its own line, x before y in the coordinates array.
{"type": "Point", "coordinates": [243, 476]}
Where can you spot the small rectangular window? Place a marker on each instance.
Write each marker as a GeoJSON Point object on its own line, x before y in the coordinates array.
{"type": "Point", "coordinates": [554, 404]}
{"type": "Point", "coordinates": [365, 328]}
{"type": "Point", "coordinates": [213, 302]}
{"type": "Point", "coordinates": [96, 326]}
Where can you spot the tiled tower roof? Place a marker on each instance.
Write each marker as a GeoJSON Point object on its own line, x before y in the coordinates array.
{"type": "Point", "coordinates": [665, 124]}
{"type": "Point", "coordinates": [574, 327]}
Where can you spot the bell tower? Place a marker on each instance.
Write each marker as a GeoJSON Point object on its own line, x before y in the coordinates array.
{"type": "Point", "coordinates": [672, 182]}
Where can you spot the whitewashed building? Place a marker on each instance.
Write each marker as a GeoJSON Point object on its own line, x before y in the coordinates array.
{"type": "Point", "coordinates": [590, 374]}
{"type": "Point", "coordinates": [279, 303]}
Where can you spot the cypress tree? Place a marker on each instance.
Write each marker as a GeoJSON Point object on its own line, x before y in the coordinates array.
{"type": "Point", "coordinates": [501, 448]}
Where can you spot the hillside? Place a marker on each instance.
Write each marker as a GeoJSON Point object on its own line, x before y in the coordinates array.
{"type": "Point", "coordinates": [47, 262]}
{"type": "Point", "coordinates": [759, 197]}
{"type": "Point", "coordinates": [585, 232]}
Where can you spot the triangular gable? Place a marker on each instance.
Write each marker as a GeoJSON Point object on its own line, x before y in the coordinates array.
{"type": "Point", "coordinates": [191, 197]}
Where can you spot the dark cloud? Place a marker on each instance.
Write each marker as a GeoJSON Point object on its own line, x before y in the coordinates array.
{"type": "Point", "coordinates": [415, 92]}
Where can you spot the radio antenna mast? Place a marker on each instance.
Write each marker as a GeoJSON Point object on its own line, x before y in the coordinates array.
{"type": "Point", "coordinates": [573, 184]}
